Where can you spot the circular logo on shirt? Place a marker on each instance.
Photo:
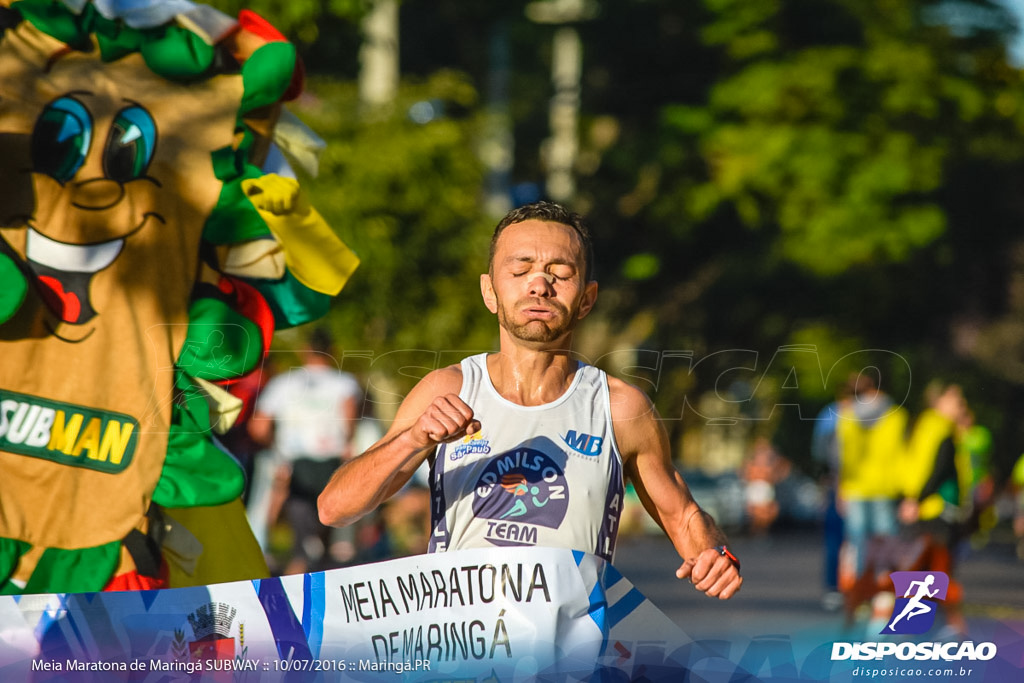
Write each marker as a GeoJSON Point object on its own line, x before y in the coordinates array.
{"type": "Point", "coordinates": [522, 485]}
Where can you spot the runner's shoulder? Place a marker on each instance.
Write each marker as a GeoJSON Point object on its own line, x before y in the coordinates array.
{"type": "Point", "coordinates": [434, 384]}
{"type": "Point", "coordinates": [628, 402]}
{"type": "Point", "coordinates": [442, 381]}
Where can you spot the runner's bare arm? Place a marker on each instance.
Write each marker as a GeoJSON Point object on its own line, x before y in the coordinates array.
{"type": "Point", "coordinates": [350, 414]}
{"type": "Point", "coordinates": [646, 453]}
{"type": "Point", "coordinates": [431, 414]}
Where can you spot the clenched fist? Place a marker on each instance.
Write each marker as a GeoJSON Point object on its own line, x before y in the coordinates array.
{"type": "Point", "coordinates": [445, 419]}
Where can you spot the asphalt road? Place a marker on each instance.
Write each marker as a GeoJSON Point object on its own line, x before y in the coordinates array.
{"type": "Point", "coordinates": [782, 587]}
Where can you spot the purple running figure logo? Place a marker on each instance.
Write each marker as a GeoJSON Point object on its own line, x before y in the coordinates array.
{"type": "Point", "coordinates": [917, 594]}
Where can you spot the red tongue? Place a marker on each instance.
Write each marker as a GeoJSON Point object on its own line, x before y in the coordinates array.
{"type": "Point", "coordinates": [66, 304]}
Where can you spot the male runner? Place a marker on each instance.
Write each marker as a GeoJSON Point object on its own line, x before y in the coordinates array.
{"type": "Point", "coordinates": [528, 446]}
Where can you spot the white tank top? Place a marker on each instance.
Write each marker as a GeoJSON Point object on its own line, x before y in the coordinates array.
{"type": "Point", "coordinates": [547, 475]}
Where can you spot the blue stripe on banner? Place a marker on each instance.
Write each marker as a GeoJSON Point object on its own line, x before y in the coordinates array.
{"type": "Point", "coordinates": [599, 608]}
{"type": "Point", "coordinates": [314, 609]}
{"type": "Point", "coordinates": [53, 642]}
{"type": "Point", "coordinates": [611, 576]}
{"type": "Point", "coordinates": [94, 621]}
{"type": "Point", "coordinates": [622, 609]}
{"type": "Point", "coordinates": [578, 556]}
{"type": "Point", "coordinates": [71, 618]}
{"type": "Point", "coordinates": [288, 633]}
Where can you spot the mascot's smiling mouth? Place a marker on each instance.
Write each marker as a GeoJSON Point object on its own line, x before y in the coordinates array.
{"type": "Point", "coordinates": [65, 271]}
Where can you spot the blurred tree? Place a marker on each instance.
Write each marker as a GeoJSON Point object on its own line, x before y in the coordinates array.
{"type": "Point", "coordinates": [404, 189]}
{"type": "Point", "coordinates": [306, 21]}
{"type": "Point", "coordinates": [841, 122]}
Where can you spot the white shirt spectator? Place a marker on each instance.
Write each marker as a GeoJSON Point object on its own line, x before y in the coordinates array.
{"type": "Point", "coordinates": [307, 407]}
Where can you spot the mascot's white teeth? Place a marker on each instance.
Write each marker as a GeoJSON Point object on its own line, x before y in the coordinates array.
{"type": "Point", "coordinates": [72, 258]}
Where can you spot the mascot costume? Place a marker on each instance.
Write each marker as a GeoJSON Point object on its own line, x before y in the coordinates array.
{"type": "Point", "coordinates": [152, 237]}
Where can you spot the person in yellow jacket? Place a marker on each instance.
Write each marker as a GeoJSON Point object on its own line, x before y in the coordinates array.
{"type": "Point", "coordinates": [936, 489]}
{"type": "Point", "coordinates": [870, 435]}
{"type": "Point", "coordinates": [935, 481]}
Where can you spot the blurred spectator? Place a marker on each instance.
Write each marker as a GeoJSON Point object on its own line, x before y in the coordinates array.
{"type": "Point", "coordinates": [974, 457]}
{"type": "Point", "coordinates": [870, 432]}
{"type": "Point", "coordinates": [763, 470]}
{"type": "Point", "coordinates": [825, 451]}
{"type": "Point", "coordinates": [307, 416]}
{"type": "Point", "coordinates": [935, 483]}
{"type": "Point", "coordinates": [935, 489]}
{"type": "Point", "coordinates": [1016, 485]}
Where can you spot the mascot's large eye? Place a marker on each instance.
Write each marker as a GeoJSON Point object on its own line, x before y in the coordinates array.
{"type": "Point", "coordinates": [130, 145]}
{"type": "Point", "coordinates": [61, 139]}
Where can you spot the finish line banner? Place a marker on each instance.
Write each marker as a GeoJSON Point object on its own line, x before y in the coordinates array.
{"type": "Point", "coordinates": [488, 616]}
{"type": "Point", "coordinates": [473, 615]}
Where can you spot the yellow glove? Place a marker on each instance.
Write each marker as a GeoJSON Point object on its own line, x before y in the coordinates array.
{"type": "Point", "coordinates": [312, 252]}
{"type": "Point", "coordinates": [277, 195]}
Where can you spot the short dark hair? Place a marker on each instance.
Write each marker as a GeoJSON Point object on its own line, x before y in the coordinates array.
{"type": "Point", "coordinates": [552, 213]}
{"type": "Point", "coordinates": [320, 340]}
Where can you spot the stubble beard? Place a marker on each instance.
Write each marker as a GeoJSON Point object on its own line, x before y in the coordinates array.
{"type": "Point", "coordinates": [539, 331]}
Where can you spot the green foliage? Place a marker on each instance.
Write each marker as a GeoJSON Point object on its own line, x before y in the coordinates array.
{"type": "Point", "coordinates": [298, 19]}
{"type": "Point", "coordinates": [642, 266]}
{"type": "Point", "coordinates": [406, 198]}
{"type": "Point", "coordinates": [842, 147]}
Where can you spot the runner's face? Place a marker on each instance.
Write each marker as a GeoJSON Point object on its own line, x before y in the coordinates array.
{"type": "Point", "coordinates": [537, 287]}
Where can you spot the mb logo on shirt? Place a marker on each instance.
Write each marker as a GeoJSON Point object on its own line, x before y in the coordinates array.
{"type": "Point", "coordinates": [584, 444]}
{"type": "Point", "coordinates": [916, 596]}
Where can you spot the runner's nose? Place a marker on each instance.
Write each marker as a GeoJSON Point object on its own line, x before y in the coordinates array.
{"type": "Point", "coordinates": [540, 283]}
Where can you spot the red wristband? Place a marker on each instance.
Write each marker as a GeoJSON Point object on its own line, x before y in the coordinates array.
{"type": "Point", "coordinates": [724, 552]}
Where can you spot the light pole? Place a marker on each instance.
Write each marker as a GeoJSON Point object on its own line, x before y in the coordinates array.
{"type": "Point", "coordinates": [559, 151]}
{"type": "Point", "coordinates": [378, 55]}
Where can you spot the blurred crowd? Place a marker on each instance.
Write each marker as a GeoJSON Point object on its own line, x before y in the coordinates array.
{"type": "Point", "coordinates": [904, 492]}
{"type": "Point", "coordinates": [891, 487]}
